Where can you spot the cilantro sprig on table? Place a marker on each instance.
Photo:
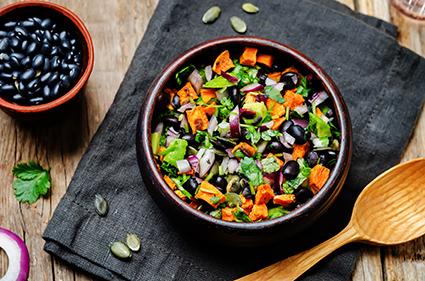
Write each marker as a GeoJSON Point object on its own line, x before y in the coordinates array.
{"type": "Point", "coordinates": [31, 181]}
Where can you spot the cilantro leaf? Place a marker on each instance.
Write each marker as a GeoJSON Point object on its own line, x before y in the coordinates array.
{"type": "Point", "coordinates": [291, 185]}
{"type": "Point", "coordinates": [31, 182]}
{"type": "Point", "coordinates": [251, 171]}
{"type": "Point", "coordinates": [277, 212]}
{"type": "Point", "coordinates": [204, 138]}
{"type": "Point", "coordinates": [180, 181]}
{"type": "Point", "coordinates": [246, 75]}
{"type": "Point", "coordinates": [270, 165]}
{"type": "Point", "coordinates": [253, 134]}
{"type": "Point", "coordinates": [274, 94]}
{"type": "Point", "coordinates": [269, 134]}
{"type": "Point", "coordinates": [169, 169]}
{"type": "Point", "coordinates": [319, 127]}
{"type": "Point", "coordinates": [225, 108]}
{"type": "Point", "coordinates": [241, 216]}
{"type": "Point", "coordinates": [303, 88]}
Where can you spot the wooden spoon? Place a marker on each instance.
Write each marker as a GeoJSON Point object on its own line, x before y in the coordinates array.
{"type": "Point", "coordinates": [390, 210]}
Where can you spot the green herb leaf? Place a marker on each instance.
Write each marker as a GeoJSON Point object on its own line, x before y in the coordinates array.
{"type": "Point", "coordinates": [216, 213]}
{"type": "Point", "coordinates": [32, 182]}
{"type": "Point", "coordinates": [169, 169]}
{"type": "Point", "coordinates": [274, 94]}
{"type": "Point", "coordinates": [269, 134]}
{"type": "Point", "coordinates": [241, 216]}
{"type": "Point", "coordinates": [253, 134]}
{"type": "Point", "coordinates": [277, 212]}
{"type": "Point", "coordinates": [180, 181]}
{"type": "Point", "coordinates": [303, 88]}
{"type": "Point", "coordinates": [225, 108]}
{"type": "Point", "coordinates": [319, 127]}
{"type": "Point", "coordinates": [183, 73]}
{"type": "Point", "coordinates": [251, 171]}
{"type": "Point", "coordinates": [215, 199]}
{"type": "Point", "coordinates": [291, 185]}
{"type": "Point", "coordinates": [246, 75]}
{"type": "Point", "coordinates": [239, 154]}
{"type": "Point", "coordinates": [203, 138]}
{"type": "Point", "coordinates": [270, 165]}
{"type": "Point", "coordinates": [175, 151]}
{"type": "Point", "coordinates": [218, 82]}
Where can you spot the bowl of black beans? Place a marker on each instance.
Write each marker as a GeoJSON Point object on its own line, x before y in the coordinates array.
{"type": "Point", "coordinates": [46, 58]}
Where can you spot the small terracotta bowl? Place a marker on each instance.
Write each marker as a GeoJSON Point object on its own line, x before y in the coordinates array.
{"type": "Point", "coordinates": [75, 25]}
{"type": "Point", "coordinates": [233, 233]}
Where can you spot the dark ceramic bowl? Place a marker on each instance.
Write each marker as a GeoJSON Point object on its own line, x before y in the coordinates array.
{"type": "Point", "coordinates": [76, 26]}
{"type": "Point", "coordinates": [205, 226]}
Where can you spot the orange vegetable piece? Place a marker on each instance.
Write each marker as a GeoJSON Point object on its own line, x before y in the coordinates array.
{"type": "Point", "coordinates": [284, 199]}
{"type": "Point", "coordinates": [247, 204]}
{"type": "Point", "coordinates": [259, 212]}
{"type": "Point", "coordinates": [264, 194]}
{"type": "Point", "coordinates": [276, 109]}
{"type": "Point", "coordinates": [245, 148]}
{"type": "Point", "coordinates": [292, 99]}
{"type": "Point", "coordinates": [318, 112]}
{"type": "Point", "coordinates": [210, 110]}
{"type": "Point", "coordinates": [290, 69]}
{"type": "Point", "coordinates": [300, 150]}
{"type": "Point", "coordinates": [223, 63]}
{"type": "Point", "coordinates": [194, 204]}
{"type": "Point", "coordinates": [186, 93]}
{"type": "Point", "coordinates": [280, 162]}
{"type": "Point", "coordinates": [207, 95]}
{"type": "Point", "coordinates": [208, 191]}
{"type": "Point", "coordinates": [180, 194]}
{"type": "Point", "coordinates": [197, 119]}
{"type": "Point", "coordinates": [267, 60]}
{"type": "Point", "coordinates": [227, 214]}
{"type": "Point", "coordinates": [170, 182]}
{"type": "Point", "coordinates": [275, 76]}
{"type": "Point", "coordinates": [318, 177]}
{"type": "Point", "coordinates": [277, 122]}
{"type": "Point", "coordinates": [249, 57]}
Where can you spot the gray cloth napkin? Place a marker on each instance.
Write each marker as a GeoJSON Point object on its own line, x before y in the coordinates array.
{"type": "Point", "coordinates": [382, 84]}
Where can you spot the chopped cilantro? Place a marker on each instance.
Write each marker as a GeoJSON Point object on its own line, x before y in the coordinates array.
{"type": "Point", "coordinates": [251, 171]}
{"type": "Point", "coordinates": [225, 108]}
{"type": "Point", "coordinates": [269, 134]}
{"type": "Point", "coordinates": [253, 134]}
{"type": "Point", "coordinates": [303, 88]}
{"type": "Point", "coordinates": [241, 216]}
{"type": "Point", "coordinates": [319, 127]}
{"type": "Point", "coordinates": [277, 212]}
{"type": "Point", "coordinates": [274, 94]}
{"type": "Point", "coordinates": [291, 185]}
{"type": "Point", "coordinates": [180, 181]}
{"type": "Point", "coordinates": [270, 165]}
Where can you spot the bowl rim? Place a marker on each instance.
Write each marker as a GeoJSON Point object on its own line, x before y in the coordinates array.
{"type": "Point", "coordinates": [78, 23]}
{"type": "Point", "coordinates": [328, 191]}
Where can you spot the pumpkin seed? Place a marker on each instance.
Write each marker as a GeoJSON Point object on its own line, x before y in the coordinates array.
{"type": "Point", "coordinates": [101, 205]}
{"type": "Point", "coordinates": [211, 15]}
{"type": "Point", "coordinates": [250, 8]}
{"type": "Point", "coordinates": [133, 242]}
{"type": "Point", "coordinates": [120, 250]}
{"type": "Point", "coordinates": [238, 24]}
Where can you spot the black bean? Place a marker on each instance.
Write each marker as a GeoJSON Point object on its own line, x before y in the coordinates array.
{"type": "Point", "coordinates": [77, 58]}
{"type": "Point", "coordinates": [45, 77]}
{"type": "Point", "coordinates": [66, 44]}
{"type": "Point", "coordinates": [172, 122]}
{"type": "Point", "coordinates": [36, 100]}
{"type": "Point", "coordinates": [53, 78]}
{"type": "Point", "coordinates": [3, 33]}
{"type": "Point", "coordinates": [55, 51]}
{"type": "Point", "coordinates": [46, 66]}
{"type": "Point", "coordinates": [73, 41]}
{"type": "Point", "coordinates": [191, 185]}
{"type": "Point", "coordinates": [63, 35]}
{"type": "Point", "coordinates": [7, 88]}
{"type": "Point", "coordinates": [7, 66]}
{"type": "Point", "coordinates": [27, 75]}
{"type": "Point", "coordinates": [38, 61]}
{"type": "Point", "coordinates": [275, 147]}
{"type": "Point", "coordinates": [4, 57]}
{"type": "Point", "coordinates": [17, 98]}
{"type": "Point", "coordinates": [32, 47]}
{"type": "Point", "coordinates": [190, 138]}
{"type": "Point", "coordinates": [56, 89]}
{"type": "Point", "coordinates": [14, 62]}
{"type": "Point", "coordinates": [220, 182]}
{"type": "Point", "coordinates": [5, 75]}
{"type": "Point", "coordinates": [75, 72]}
{"type": "Point", "coordinates": [298, 133]}
{"type": "Point", "coordinates": [1, 67]}
{"type": "Point", "coordinates": [36, 20]}
{"type": "Point", "coordinates": [289, 80]}
{"type": "Point", "coordinates": [48, 35]}
{"type": "Point", "coordinates": [276, 67]}
{"type": "Point", "coordinates": [55, 62]}
{"type": "Point", "coordinates": [45, 48]}
{"type": "Point", "coordinates": [39, 33]}
{"type": "Point", "coordinates": [55, 37]}
{"type": "Point", "coordinates": [10, 25]}
{"type": "Point", "coordinates": [312, 158]}
{"type": "Point", "coordinates": [21, 87]}
{"type": "Point", "coordinates": [46, 91]}
{"type": "Point", "coordinates": [246, 192]}
{"type": "Point", "coordinates": [64, 65]}
{"type": "Point", "coordinates": [33, 85]}
{"type": "Point", "coordinates": [47, 23]}
{"type": "Point", "coordinates": [4, 44]}
{"type": "Point", "coordinates": [21, 31]}
{"type": "Point", "coordinates": [290, 170]}
{"type": "Point", "coordinates": [234, 95]}
{"type": "Point", "coordinates": [14, 42]}
{"type": "Point", "coordinates": [66, 82]}
{"type": "Point", "coordinates": [16, 74]}
{"type": "Point", "coordinates": [24, 45]}
{"type": "Point", "coordinates": [28, 23]}
{"type": "Point", "coordinates": [327, 158]}
{"type": "Point", "coordinates": [303, 194]}
{"type": "Point", "coordinates": [19, 56]}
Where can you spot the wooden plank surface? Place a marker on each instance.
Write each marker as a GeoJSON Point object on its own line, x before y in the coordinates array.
{"type": "Point", "coordinates": [116, 27]}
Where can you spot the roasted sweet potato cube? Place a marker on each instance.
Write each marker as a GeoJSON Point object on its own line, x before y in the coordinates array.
{"type": "Point", "coordinates": [186, 93]}
{"type": "Point", "coordinates": [249, 57]}
{"type": "Point", "coordinates": [318, 177]}
{"type": "Point", "coordinates": [275, 76]}
{"type": "Point", "coordinates": [264, 194]}
{"type": "Point", "coordinates": [197, 119]}
{"type": "Point", "coordinates": [277, 123]}
{"type": "Point", "coordinates": [227, 214]}
{"type": "Point", "coordinates": [247, 204]}
{"type": "Point", "coordinates": [245, 148]}
{"type": "Point", "coordinates": [267, 60]}
{"type": "Point", "coordinates": [170, 182]}
{"type": "Point", "coordinates": [284, 199]}
{"type": "Point", "coordinates": [300, 150]}
{"type": "Point", "coordinates": [276, 109]}
{"type": "Point", "coordinates": [259, 212]}
{"type": "Point", "coordinates": [210, 194]}
{"type": "Point", "coordinates": [292, 99]}
{"type": "Point", "coordinates": [208, 94]}
{"type": "Point", "coordinates": [223, 63]}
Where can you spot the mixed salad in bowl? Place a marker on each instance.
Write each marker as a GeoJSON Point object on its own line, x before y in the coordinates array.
{"type": "Point", "coordinates": [246, 137]}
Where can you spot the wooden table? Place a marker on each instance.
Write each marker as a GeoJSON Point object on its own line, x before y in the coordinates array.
{"type": "Point", "coordinates": [117, 27]}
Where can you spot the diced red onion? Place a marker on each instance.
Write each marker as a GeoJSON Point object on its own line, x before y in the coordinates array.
{"type": "Point", "coordinates": [261, 98]}
{"type": "Point", "coordinates": [270, 178]}
{"type": "Point", "coordinates": [261, 147]}
{"type": "Point", "coordinates": [252, 88]}
{"type": "Point", "coordinates": [319, 97]}
{"type": "Point", "coordinates": [183, 122]}
{"type": "Point", "coordinates": [185, 107]}
{"type": "Point", "coordinates": [284, 142]}
{"type": "Point", "coordinates": [278, 182]}
{"type": "Point", "coordinates": [206, 162]}
{"type": "Point", "coordinates": [268, 124]}
{"type": "Point", "coordinates": [212, 125]}
{"type": "Point", "coordinates": [301, 109]}
{"type": "Point", "coordinates": [172, 132]}
{"type": "Point", "coordinates": [198, 180]}
{"type": "Point", "coordinates": [183, 166]}
{"type": "Point", "coordinates": [196, 80]}
{"type": "Point", "coordinates": [300, 122]}
{"type": "Point", "coordinates": [208, 72]}
{"type": "Point", "coordinates": [312, 136]}
{"type": "Point", "coordinates": [194, 162]}
{"type": "Point", "coordinates": [233, 166]}
{"type": "Point", "coordinates": [159, 128]}
{"type": "Point", "coordinates": [229, 152]}
{"type": "Point", "coordinates": [225, 165]}
{"type": "Point", "coordinates": [229, 77]}
{"type": "Point", "coordinates": [288, 138]}
{"type": "Point", "coordinates": [278, 86]}
{"type": "Point", "coordinates": [170, 139]}
{"type": "Point", "coordinates": [287, 156]}
{"type": "Point", "coordinates": [270, 82]}
{"type": "Point", "coordinates": [17, 253]}
{"type": "Point", "coordinates": [235, 129]}
{"type": "Point", "coordinates": [259, 165]}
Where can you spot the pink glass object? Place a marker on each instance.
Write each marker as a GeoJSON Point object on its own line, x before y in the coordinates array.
{"type": "Point", "coordinates": [412, 8]}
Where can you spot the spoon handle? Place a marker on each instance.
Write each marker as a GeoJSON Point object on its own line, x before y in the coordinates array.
{"type": "Point", "coordinates": [293, 267]}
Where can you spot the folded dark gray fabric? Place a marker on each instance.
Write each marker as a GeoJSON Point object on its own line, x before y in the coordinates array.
{"type": "Point", "coordinates": [381, 82]}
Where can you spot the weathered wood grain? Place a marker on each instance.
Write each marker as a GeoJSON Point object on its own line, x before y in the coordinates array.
{"type": "Point", "coordinates": [117, 26]}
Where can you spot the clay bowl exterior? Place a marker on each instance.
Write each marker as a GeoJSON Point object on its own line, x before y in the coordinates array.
{"type": "Point", "coordinates": [75, 25]}
{"type": "Point", "coordinates": [231, 233]}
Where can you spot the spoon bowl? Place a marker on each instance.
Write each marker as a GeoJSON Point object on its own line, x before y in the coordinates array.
{"type": "Point", "coordinates": [390, 210]}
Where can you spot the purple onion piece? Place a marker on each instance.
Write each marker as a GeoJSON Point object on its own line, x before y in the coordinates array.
{"type": "Point", "coordinates": [229, 77]}
{"type": "Point", "coordinates": [300, 122]}
{"type": "Point", "coordinates": [194, 162]}
{"type": "Point", "coordinates": [183, 166]}
{"type": "Point", "coordinates": [17, 253]}
{"type": "Point", "coordinates": [229, 152]}
{"type": "Point", "coordinates": [288, 138]}
{"type": "Point", "coordinates": [185, 107]}
{"type": "Point", "coordinates": [301, 110]}
{"type": "Point", "coordinates": [212, 125]}
{"type": "Point", "coordinates": [261, 98]}
{"type": "Point", "coordinates": [270, 82]}
{"type": "Point", "coordinates": [235, 129]}
{"type": "Point", "coordinates": [196, 80]}
{"type": "Point", "coordinates": [159, 128]}
{"type": "Point", "coordinates": [319, 97]}
{"type": "Point", "coordinates": [208, 73]}
{"type": "Point", "coordinates": [252, 88]}
{"type": "Point", "coordinates": [206, 162]}
{"type": "Point", "coordinates": [278, 86]}
{"type": "Point", "coordinates": [233, 166]}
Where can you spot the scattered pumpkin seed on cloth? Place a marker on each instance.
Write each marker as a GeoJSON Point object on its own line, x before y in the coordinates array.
{"type": "Point", "coordinates": [101, 205]}
{"type": "Point", "coordinates": [250, 8]}
{"type": "Point", "coordinates": [120, 250]}
{"type": "Point", "coordinates": [211, 15]}
{"type": "Point", "coordinates": [238, 24]}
